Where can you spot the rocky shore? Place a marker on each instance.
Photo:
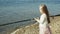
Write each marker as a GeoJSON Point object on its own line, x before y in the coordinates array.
{"type": "Point", "coordinates": [34, 28]}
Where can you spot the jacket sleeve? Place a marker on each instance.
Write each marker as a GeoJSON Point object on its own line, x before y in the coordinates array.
{"type": "Point", "coordinates": [42, 19]}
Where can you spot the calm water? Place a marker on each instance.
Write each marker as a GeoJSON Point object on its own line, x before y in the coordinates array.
{"type": "Point", "coordinates": [16, 10]}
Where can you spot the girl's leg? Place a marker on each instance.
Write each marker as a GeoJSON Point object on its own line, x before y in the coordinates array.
{"type": "Point", "coordinates": [41, 30]}
{"type": "Point", "coordinates": [48, 31]}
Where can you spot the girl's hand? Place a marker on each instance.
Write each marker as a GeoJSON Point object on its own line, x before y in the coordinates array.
{"type": "Point", "coordinates": [35, 19]}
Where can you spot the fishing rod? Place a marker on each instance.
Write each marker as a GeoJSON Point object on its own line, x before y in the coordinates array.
{"type": "Point", "coordinates": [25, 20]}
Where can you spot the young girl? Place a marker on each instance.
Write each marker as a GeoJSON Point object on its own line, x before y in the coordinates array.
{"type": "Point", "coordinates": [44, 20]}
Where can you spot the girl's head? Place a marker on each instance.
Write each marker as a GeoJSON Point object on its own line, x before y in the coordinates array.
{"type": "Point", "coordinates": [43, 9]}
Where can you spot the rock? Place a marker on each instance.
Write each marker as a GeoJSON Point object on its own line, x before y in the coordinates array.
{"type": "Point", "coordinates": [34, 28]}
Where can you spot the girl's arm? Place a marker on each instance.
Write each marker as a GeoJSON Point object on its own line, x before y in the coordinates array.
{"type": "Point", "coordinates": [37, 19]}
{"type": "Point", "coordinates": [42, 19]}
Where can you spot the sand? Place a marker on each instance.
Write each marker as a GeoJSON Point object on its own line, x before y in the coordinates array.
{"type": "Point", "coordinates": [34, 28]}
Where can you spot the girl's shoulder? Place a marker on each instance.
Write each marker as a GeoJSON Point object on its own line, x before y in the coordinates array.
{"type": "Point", "coordinates": [43, 15]}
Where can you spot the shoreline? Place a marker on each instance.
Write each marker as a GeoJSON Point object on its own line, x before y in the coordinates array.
{"type": "Point", "coordinates": [27, 20]}
{"type": "Point", "coordinates": [55, 23]}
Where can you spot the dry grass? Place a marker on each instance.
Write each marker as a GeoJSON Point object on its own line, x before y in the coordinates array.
{"type": "Point", "coordinates": [34, 29]}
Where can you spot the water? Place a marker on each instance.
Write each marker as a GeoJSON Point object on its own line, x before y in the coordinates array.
{"type": "Point", "coordinates": [16, 10]}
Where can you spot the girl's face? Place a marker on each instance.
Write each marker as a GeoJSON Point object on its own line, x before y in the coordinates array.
{"type": "Point", "coordinates": [41, 11]}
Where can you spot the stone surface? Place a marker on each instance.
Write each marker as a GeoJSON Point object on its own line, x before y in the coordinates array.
{"type": "Point", "coordinates": [34, 28]}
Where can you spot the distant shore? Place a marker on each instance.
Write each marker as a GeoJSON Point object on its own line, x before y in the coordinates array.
{"type": "Point", "coordinates": [34, 29]}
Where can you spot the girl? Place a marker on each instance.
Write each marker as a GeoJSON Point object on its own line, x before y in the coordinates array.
{"type": "Point", "coordinates": [44, 20]}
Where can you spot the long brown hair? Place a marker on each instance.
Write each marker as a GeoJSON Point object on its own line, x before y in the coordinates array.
{"type": "Point", "coordinates": [45, 10]}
